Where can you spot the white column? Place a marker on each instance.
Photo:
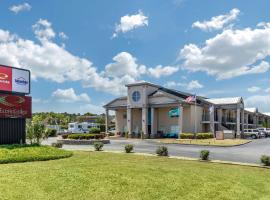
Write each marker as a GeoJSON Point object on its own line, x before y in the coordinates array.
{"type": "Point", "coordinates": [129, 120]}
{"type": "Point", "coordinates": [238, 122]}
{"type": "Point", "coordinates": [145, 121]}
{"type": "Point", "coordinates": [153, 123]}
{"type": "Point", "coordinates": [219, 119]}
{"type": "Point", "coordinates": [242, 121]}
{"type": "Point", "coordinates": [107, 121]}
{"type": "Point", "coordinates": [212, 121]}
{"type": "Point", "coordinates": [180, 119]}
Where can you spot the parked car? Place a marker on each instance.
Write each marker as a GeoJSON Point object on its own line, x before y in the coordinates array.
{"type": "Point", "coordinates": [266, 131]}
{"type": "Point", "coordinates": [253, 133]}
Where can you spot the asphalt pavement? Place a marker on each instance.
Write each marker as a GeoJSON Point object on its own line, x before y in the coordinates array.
{"type": "Point", "coordinates": [248, 153]}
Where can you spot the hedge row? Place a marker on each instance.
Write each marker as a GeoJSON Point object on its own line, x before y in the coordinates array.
{"type": "Point", "coordinates": [196, 136]}
{"type": "Point", "coordinates": [85, 136]}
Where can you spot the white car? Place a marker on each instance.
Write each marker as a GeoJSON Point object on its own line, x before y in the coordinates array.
{"type": "Point", "coordinates": [253, 133]}
{"type": "Point", "coordinates": [266, 131]}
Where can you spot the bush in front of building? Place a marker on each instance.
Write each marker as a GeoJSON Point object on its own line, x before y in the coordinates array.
{"type": "Point", "coordinates": [88, 136]}
{"type": "Point", "coordinates": [265, 160]}
{"type": "Point", "coordinates": [162, 151]}
{"type": "Point", "coordinates": [94, 130]}
{"type": "Point", "coordinates": [98, 146]}
{"type": "Point", "coordinates": [129, 148]}
{"type": "Point", "coordinates": [65, 136]}
{"type": "Point", "coordinates": [204, 154]}
{"type": "Point", "coordinates": [187, 135]}
{"type": "Point", "coordinates": [49, 132]}
{"type": "Point", "coordinates": [204, 135]}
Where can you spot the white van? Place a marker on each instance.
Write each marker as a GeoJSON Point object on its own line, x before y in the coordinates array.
{"type": "Point", "coordinates": [83, 127]}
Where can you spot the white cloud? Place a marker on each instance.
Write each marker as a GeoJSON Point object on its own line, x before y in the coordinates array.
{"type": "Point", "coordinates": [160, 70]}
{"type": "Point", "coordinates": [194, 84]}
{"type": "Point", "coordinates": [173, 84]}
{"type": "Point", "coordinates": [69, 95]}
{"type": "Point", "coordinates": [125, 64]}
{"type": "Point", "coordinates": [229, 54]}
{"type": "Point", "coordinates": [21, 7]}
{"type": "Point", "coordinates": [49, 60]}
{"type": "Point", "coordinates": [217, 22]}
{"type": "Point", "coordinates": [267, 90]}
{"type": "Point", "coordinates": [260, 101]}
{"type": "Point", "coordinates": [254, 89]}
{"type": "Point", "coordinates": [97, 109]}
{"type": "Point", "coordinates": [63, 36]}
{"type": "Point", "coordinates": [43, 30]}
{"type": "Point", "coordinates": [130, 22]}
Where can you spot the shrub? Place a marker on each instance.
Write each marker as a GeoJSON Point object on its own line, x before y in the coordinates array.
{"type": "Point", "coordinates": [129, 148]}
{"type": "Point", "coordinates": [65, 136]}
{"type": "Point", "coordinates": [94, 130]}
{"type": "Point", "coordinates": [35, 131]}
{"type": "Point", "coordinates": [204, 155]}
{"type": "Point", "coordinates": [187, 135]}
{"type": "Point", "coordinates": [98, 146]}
{"type": "Point", "coordinates": [29, 153]}
{"type": "Point", "coordinates": [50, 132]}
{"type": "Point", "coordinates": [265, 160]}
{"type": "Point", "coordinates": [57, 144]}
{"type": "Point", "coordinates": [204, 135]}
{"type": "Point", "coordinates": [77, 136]}
{"type": "Point", "coordinates": [162, 151]}
{"type": "Point", "coordinates": [102, 127]}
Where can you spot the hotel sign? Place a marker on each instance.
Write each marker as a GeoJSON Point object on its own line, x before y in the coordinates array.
{"type": "Point", "coordinates": [15, 106]}
{"type": "Point", "coordinates": [14, 80]}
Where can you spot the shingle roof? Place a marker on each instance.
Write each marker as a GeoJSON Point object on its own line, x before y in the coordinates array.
{"type": "Point", "coordinates": [221, 101]}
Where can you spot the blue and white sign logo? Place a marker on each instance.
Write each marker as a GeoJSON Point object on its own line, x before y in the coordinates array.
{"type": "Point", "coordinates": [21, 81]}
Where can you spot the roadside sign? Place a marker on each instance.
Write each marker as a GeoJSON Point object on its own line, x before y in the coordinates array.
{"type": "Point", "coordinates": [14, 80]}
{"type": "Point", "coordinates": [15, 106]}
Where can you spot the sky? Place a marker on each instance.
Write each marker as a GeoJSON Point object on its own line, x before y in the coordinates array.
{"type": "Point", "coordinates": [82, 53]}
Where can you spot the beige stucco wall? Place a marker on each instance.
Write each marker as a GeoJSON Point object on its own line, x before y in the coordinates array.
{"type": "Point", "coordinates": [144, 91]}
{"type": "Point", "coordinates": [120, 121]}
{"type": "Point", "coordinates": [136, 120]}
{"type": "Point", "coordinates": [164, 122]}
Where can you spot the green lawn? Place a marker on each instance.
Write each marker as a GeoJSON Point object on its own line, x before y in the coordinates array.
{"type": "Point", "coordinates": [26, 153]}
{"type": "Point", "coordinates": [100, 175]}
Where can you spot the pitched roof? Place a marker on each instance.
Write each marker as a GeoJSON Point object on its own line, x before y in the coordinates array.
{"type": "Point", "coordinates": [267, 113]}
{"type": "Point", "coordinates": [253, 110]}
{"type": "Point", "coordinates": [221, 101]}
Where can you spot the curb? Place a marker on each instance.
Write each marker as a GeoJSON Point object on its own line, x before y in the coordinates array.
{"type": "Point", "coordinates": [206, 145]}
{"type": "Point", "coordinates": [190, 159]}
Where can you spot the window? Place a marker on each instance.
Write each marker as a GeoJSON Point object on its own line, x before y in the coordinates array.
{"type": "Point", "coordinates": [136, 96]}
{"type": "Point", "coordinates": [79, 126]}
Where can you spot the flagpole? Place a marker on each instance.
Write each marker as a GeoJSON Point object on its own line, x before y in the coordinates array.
{"type": "Point", "coordinates": [195, 117]}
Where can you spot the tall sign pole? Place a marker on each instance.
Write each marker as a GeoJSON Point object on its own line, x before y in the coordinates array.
{"type": "Point", "coordinates": [195, 117]}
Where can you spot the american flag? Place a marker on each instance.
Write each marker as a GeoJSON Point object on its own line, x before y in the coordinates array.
{"type": "Point", "coordinates": [191, 99]}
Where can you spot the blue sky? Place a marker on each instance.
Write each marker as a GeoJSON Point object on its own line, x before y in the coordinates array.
{"type": "Point", "coordinates": [81, 53]}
